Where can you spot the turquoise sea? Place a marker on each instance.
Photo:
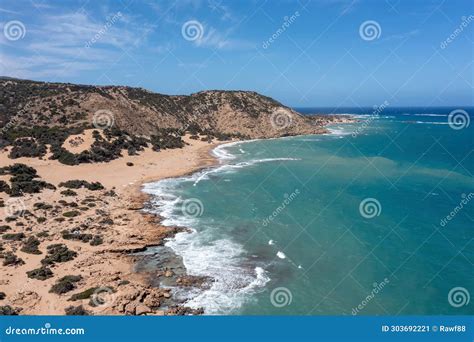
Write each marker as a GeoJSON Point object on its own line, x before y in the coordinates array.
{"type": "Point", "coordinates": [375, 218]}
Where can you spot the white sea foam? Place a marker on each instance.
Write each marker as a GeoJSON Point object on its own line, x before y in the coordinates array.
{"type": "Point", "coordinates": [223, 155]}
{"type": "Point", "coordinates": [339, 131]}
{"type": "Point", "coordinates": [281, 255]}
{"type": "Point", "coordinates": [431, 122]}
{"type": "Point", "coordinates": [234, 277]}
{"type": "Point", "coordinates": [428, 114]}
{"type": "Point", "coordinates": [229, 168]}
{"type": "Point", "coordinates": [223, 261]}
{"type": "Point", "coordinates": [271, 242]}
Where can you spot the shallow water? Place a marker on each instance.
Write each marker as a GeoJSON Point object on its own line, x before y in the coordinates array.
{"type": "Point", "coordinates": [345, 223]}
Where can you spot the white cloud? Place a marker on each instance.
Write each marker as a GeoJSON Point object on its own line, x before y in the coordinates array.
{"type": "Point", "coordinates": [67, 44]}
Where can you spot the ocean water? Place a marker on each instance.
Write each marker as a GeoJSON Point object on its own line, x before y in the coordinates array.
{"type": "Point", "coordinates": [375, 218]}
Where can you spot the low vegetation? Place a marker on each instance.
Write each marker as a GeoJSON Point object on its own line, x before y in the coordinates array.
{"type": "Point", "coordinates": [76, 311]}
{"type": "Point", "coordinates": [10, 259]}
{"type": "Point", "coordinates": [77, 184]}
{"type": "Point", "coordinates": [41, 273]}
{"type": "Point", "coordinates": [23, 180]}
{"type": "Point", "coordinates": [30, 246]}
{"type": "Point", "coordinates": [65, 284]}
{"type": "Point", "coordinates": [58, 253]}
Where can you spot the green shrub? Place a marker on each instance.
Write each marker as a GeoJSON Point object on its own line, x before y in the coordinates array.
{"type": "Point", "coordinates": [68, 192]}
{"type": "Point", "coordinates": [42, 234]}
{"type": "Point", "coordinates": [97, 240]}
{"type": "Point", "coordinates": [42, 205]}
{"type": "Point", "coordinates": [76, 235]}
{"type": "Point", "coordinates": [13, 236]}
{"type": "Point", "coordinates": [84, 294]}
{"type": "Point", "coordinates": [58, 253]}
{"type": "Point", "coordinates": [10, 259]}
{"type": "Point", "coordinates": [4, 187]}
{"type": "Point", "coordinates": [4, 228]}
{"type": "Point", "coordinates": [41, 219]}
{"type": "Point", "coordinates": [30, 246]}
{"type": "Point", "coordinates": [72, 213]}
{"type": "Point", "coordinates": [7, 310]}
{"type": "Point", "coordinates": [27, 147]}
{"type": "Point", "coordinates": [41, 273]}
{"type": "Point", "coordinates": [76, 311]}
{"type": "Point", "coordinates": [65, 284]}
{"type": "Point", "coordinates": [77, 184]}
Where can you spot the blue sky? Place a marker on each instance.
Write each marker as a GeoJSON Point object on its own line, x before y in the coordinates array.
{"type": "Point", "coordinates": [320, 54]}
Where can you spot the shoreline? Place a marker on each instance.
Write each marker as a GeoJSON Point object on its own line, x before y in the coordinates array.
{"type": "Point", "coordinates": [107, 271]}
{"type": "Point", "coordinates": [109, 267]}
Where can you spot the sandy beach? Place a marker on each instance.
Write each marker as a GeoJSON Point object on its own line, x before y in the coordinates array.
{"type": "Point", "coordinates": [112, 217]}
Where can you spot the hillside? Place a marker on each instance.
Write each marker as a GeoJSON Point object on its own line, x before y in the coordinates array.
{"type": "Point", "coordinates": [36, 118]}
{"type": "Point", "coordinates": [138, 111]}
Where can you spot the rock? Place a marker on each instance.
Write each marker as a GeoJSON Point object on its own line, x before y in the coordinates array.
{"type": "Point", "coordinates": [169, 273]}
{"type": "Point", "coordinates": [130, 308]}
{"type": "Point", "coordinates": [135, 206]}
{"type": "Point", "coordinates": [159, 313]}
{"type": "Point", "coordinates": [166, 295]}
{"type": "Point", "coordinates": [142, 309]}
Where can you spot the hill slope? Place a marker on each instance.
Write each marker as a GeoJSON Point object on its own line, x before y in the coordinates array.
{"type": "Point", "coordinates": [141, 112]}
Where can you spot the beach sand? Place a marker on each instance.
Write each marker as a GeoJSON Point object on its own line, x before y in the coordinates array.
{"type": "Point", "coordinates": [107, 269]}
